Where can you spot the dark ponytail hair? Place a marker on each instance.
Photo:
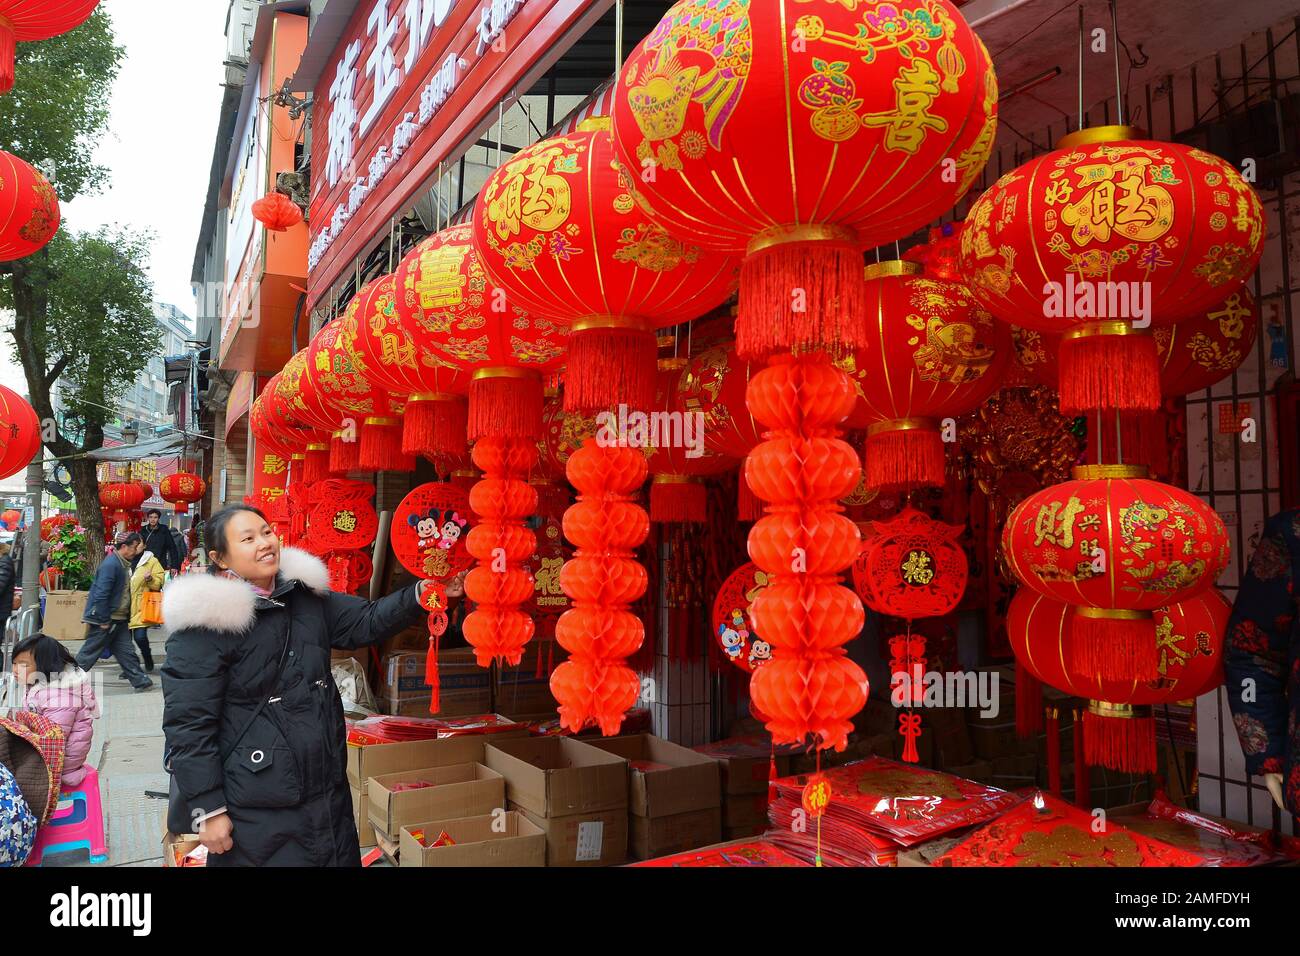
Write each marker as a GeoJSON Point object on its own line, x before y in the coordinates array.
{"type": "Point", "coordinates": [215, 531]}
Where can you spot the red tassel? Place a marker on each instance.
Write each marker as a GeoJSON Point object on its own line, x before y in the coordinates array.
{"type": "Point", "coordinates": [749, 507]}
{"type": "Point", "coordinates": [435, 425]}
{"type": "Point", "coordinates": [316, 466]}
{"type": "Point", "coordinates": [675, 499]}
{"type": "Point", "coordinates": [431, 672]}
{"type": "Point", "coordinates": [1125, 743]}
{"type": "Point", "coordinates": [1029, 703]}
{"type": "Point", "coordinates": [345, 456]}
{"type": "Point", "coordinates": [799, 295]}
{"type": "Point", "coordinates": [1109, 372]}
{"type": "Point", "coordinates": [1113, 648]}
{"type": "Point", "coordinates": [1053, 751]}
{"type": "Point", "coordinates": [8, 50]}
{"type": "Point", "coordinates": [505, 403]}
{"type": "Point", "coordinates": [1082, 769]}
{"type": "Point", "coordinates": [381, 446]}
{"type": "Point", "coordinates": [608, 365]}
{"type": "Point", "coordinates": [771, 776]}
{"type": "Point", "coordinates": [904, 456]}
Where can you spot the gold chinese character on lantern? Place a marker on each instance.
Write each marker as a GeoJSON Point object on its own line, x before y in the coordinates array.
{"type": "Point", "coordinates": [918, 568]}
{"type": "Point", "coordinates": [1056, 524]}
{"type": "Point", "coordinates": [345, 521]}
{"type": "Point", "coordinates": [915, 91]}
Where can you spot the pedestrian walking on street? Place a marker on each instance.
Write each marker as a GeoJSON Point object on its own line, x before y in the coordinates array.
{"type": "Point", "coordinates": [147, 576]}
{"type": "Point", "coordinates": [159, 541]}
{"type": "Point", "coordinates": [255, 737]}
{"type": "Point", "coordinates": [108, 612]}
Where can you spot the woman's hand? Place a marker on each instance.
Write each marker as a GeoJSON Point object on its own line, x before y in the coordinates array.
{"type": "Point", "coordinates": [456, 586]}
{"type": "Point", "coordinates": [1273, 781]}
{"type": "Point", "coordinates": [214, 833]}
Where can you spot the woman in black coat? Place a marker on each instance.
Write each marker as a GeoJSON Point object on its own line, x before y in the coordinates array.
{"type": "Point", "coordinates": [256, 742]}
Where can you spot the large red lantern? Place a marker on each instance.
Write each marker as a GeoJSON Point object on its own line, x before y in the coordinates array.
{"type": "Point", "coordinates": [911, 566]}
{"type": "Point", "coordinates": [119, 497]}
{"type": "Point", "coordinates": [798, 135]}
{"type": "Point", "coordinates": [29, 209]}
{"type": "Point", "coordinates": [1117, 546]}
{"type": "Point", "coordinates": [337, 375]}
{"type": "Point", "coordinates": [273, 424]}
{"type": "Point", "coordinates": [1107, 229]}
{"type": "Point", "coordinates": [677, 454]}
{"type": "Point", "coordinates": [562, 434]}
{"type": "Point", "coordinates": [714, 384]}
{"type": "Point", "coordinates": [1119, 729]}
{"type": "Point", "coordinates": [810, 688]}
{"type": "Point", "coordinates": [934, 353]}
{"type": "Point", "coordinates": [397, 359]}
{"type": "Point", "coordinates": [558, 231]}
{"type": "Point", "coordinates": [20, 433]}
{"type": "Point", "coordinates": [182, 490]}
{"type": "Point", "coordinates": [444, 300]}
{"type": "Point", "coordinates": [305, 406]}
{"type": "Point", "coordinates": [595, 685]}
{"type": "Point", "coordinates": [26, 21]}
{"type": "Point", "coordinates": [277, 212]}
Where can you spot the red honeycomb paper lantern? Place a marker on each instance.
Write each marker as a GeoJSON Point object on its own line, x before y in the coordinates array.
{"type": "Point", "coordinates": [1119, 728]}
{"type": "Point", "coordinates": [20, 433]}
{"type": "Point", "coordinates": [802, 154]}
{"type": "Point", "coordinates": [810, 688]}
{"type": "Point", "coordinates": [277, 212]}
{"type": "Point", "coordinates": [29, 209]}
{"type": "Point", "coordinates": [595, 685]}
{"type": "Point", "coordinates": [934, 353]}
{"type": "Point", "coordinates": [558, 230]}
{"type": "Point", "coordinates": [26, 21]}
{"type": "Point", "coordinates": [1108, 205]}
{"type": "Point", "coordinates": [182, 490]}
{"type": "Point", "coordinates": [1117, 546]}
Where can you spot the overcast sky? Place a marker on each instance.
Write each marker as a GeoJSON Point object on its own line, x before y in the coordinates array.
{"type": "Point", "coordinates": [165, 106]}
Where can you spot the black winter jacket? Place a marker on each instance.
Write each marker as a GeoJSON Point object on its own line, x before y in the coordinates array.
{"type": "Point", "coordinates": [284, 784]}
{"type": "Point", "coordinates": [160, 543]}
{"type": "Point", "coordinates": [8, 581]}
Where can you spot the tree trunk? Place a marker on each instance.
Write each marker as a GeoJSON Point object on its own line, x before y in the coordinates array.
{"type": "Point", "coordinates": [85, 486]}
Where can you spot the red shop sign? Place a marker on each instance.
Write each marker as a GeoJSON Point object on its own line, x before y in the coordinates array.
{"type": "Point", "coordinates": [408, 82]}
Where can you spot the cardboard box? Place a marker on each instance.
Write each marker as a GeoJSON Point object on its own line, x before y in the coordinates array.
{"type": "Point", "coordinates": [455, 705]}
{"type": "Point", "coordinates": [459, 790]}
{"type": "Point", "coordinates": [519, 690]}
{"type": "Point", "coordinates": [62, 618]}
{"type": "Point", "coordinates": [559, 776]}
{"type": "Point", "coordinates": [658, 836]}
{"type": "Point", "coordinates": [460, 679]}
{"type": "Point", "coordinates": [687, 781]}
{"type": "Point", "coordinates": [744, 809]}
{"type": "Point", "coordinates": [375, 760]}
{"type": "Point", "coordinates": [951, 736]}
{"type": "Point", "coordinates": [508, 839]}
{"type": "Point", "coordinates": [365, 830]}
{"type": "Point", "coordinates": [175, 849]}
{"type": "Point", "coordinates": [593, 838]}
{"type": "Point", "coordinates": [978, 770]}
{"type": "Point", "coordinates": [990, 740]}
{"type": "Point", "coordinates": [744, 770]}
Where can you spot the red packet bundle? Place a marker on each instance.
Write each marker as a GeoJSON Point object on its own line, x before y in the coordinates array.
{"type": "Point", "coordinates": [904, 803]}
{"type": "Point", "coordinates": [843, 841]}
{"type": "Point", "coordinates": [444, 839]}
{"type": "Point", "coordinates": [477, 724]}
{"type": "Point", "coordinates": [1217, 842]}
{"type": "Point", "coordinates": [1045, 831]}
{"type": "Point", "coordinates": [740, 853]}
{"type": "Point", "coordinates": [410, 785]}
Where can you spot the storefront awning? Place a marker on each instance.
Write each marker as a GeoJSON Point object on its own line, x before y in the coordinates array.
{"type": "Point", "coordinates": [240, 400]}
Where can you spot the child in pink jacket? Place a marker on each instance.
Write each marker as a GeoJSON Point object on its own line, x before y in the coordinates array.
{"type": "Point", "coordinates": [60, 690]}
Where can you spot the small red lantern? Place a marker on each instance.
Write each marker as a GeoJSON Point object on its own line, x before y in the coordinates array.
{"type": "Point", "coordinates": [121, 497]}
{"type": "Point", "coordinates": [29, 209]}
{"type": "Point", "coordinates": [1117, 546]}
{"type": "Point", "coordinates": [562, 434]}
{"type": "Point", "coordinates": [20, 433]}
{"type": "Point", "coordinates": [25, 21]}
{"type": "Point", "coordinates": [1106, 217]}
{"type": "Point", "coordinates": [277, 212]}
{"type": "Point", "coordinates": [1119, 728]}
{"type": "Point", "coordinates": [182, 489]}
{"type": "Point", "coordinates": [678, 457]}
{"type": "Point", "coordinates": [911, 566]}
{"type": "Point", "coordinates": [10, 518]}
{"type": "Point", "coordinates": [934, 353]}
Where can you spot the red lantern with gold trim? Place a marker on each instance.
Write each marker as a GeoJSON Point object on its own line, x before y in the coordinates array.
{"type": "Point", "coordinates": [677, 454]}
{"type": "Point", "coordinates": [713, 384]}
{"type": "Point", "coordinates": [1119, 729]}
{"type": "Point", "coordinates": [435, 419]}
{"type": "Point", "coordinates": [29, 209]}
{"type": "Point", "coordinates": [562, 434]}
{"type": "Point", "coordinates": [118, 498]}
{"type": "Point", "coordinates": [558, 231]}
{"type": "Point", "coordinates": [25, 21]}
{"type": "Point", "coordinates": [1117, 546]}
{"type": "Point", "coordinates": [277, 212]}
{"type": "Point", "coordinates": [20, 432]}
{"type": "Point", "coordinates": [935, 353]}
{"type": "Point", "coordinates": [1120, 228]}
{"type": "Point", "coordinates": [305, 407]}
{"type": "Point", "coordinates": [182, 490]}
{"type": "Point", "coordinates": [800, 155]}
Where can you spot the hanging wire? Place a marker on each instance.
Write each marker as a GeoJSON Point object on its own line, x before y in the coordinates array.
{"type": "Point", "coordinates": [1080, 126]}
{"type": "Point", "coordinates": [1114, 46]}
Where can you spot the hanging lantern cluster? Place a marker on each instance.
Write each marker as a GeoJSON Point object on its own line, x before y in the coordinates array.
{"type": "Point", "coordinates": [800, 155]}
{"type": "Point", "coordinates": [118, 499]}
{"type": "Point", "coordinates": [606, 525]}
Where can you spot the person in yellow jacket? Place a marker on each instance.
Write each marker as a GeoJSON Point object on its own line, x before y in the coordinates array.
{"type": "Point", "coordinates": [147, 576]}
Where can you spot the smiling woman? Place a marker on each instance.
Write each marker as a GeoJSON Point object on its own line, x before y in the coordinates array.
{"type": "Point", "coordinates": [253, 722]}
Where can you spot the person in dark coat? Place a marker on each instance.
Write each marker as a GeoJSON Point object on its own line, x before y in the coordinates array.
{"type": "Point", "coordinates": [159, 542]}
{"type": "Point", "coordinates": [1261, 661]}
{"type": "Point", "coordinates": [8, 579]}
{"type": "Point", "coordinates": [255, 737]}
{"type": "Point", "coordinates": [108, 612]}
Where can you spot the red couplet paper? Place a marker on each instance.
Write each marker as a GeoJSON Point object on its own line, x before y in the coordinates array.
{"type": "Point", "coordinates": [741, 853]}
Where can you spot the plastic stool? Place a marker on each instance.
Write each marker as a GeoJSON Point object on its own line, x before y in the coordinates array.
{"type": "Point", "coordinates": [76, 824]}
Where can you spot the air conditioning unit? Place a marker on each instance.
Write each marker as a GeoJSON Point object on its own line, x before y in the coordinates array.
{"type": "Point", "coordinates": [1266, 133]}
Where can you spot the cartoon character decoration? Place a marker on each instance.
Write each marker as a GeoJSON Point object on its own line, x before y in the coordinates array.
{"type": "Point", "coordinates": [731, 622]}
{"type": "Point", "coordinates": [429, 530]}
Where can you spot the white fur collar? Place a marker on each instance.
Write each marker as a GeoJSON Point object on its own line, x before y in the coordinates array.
{"type": "Point", "coordinates": [224, 604]}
